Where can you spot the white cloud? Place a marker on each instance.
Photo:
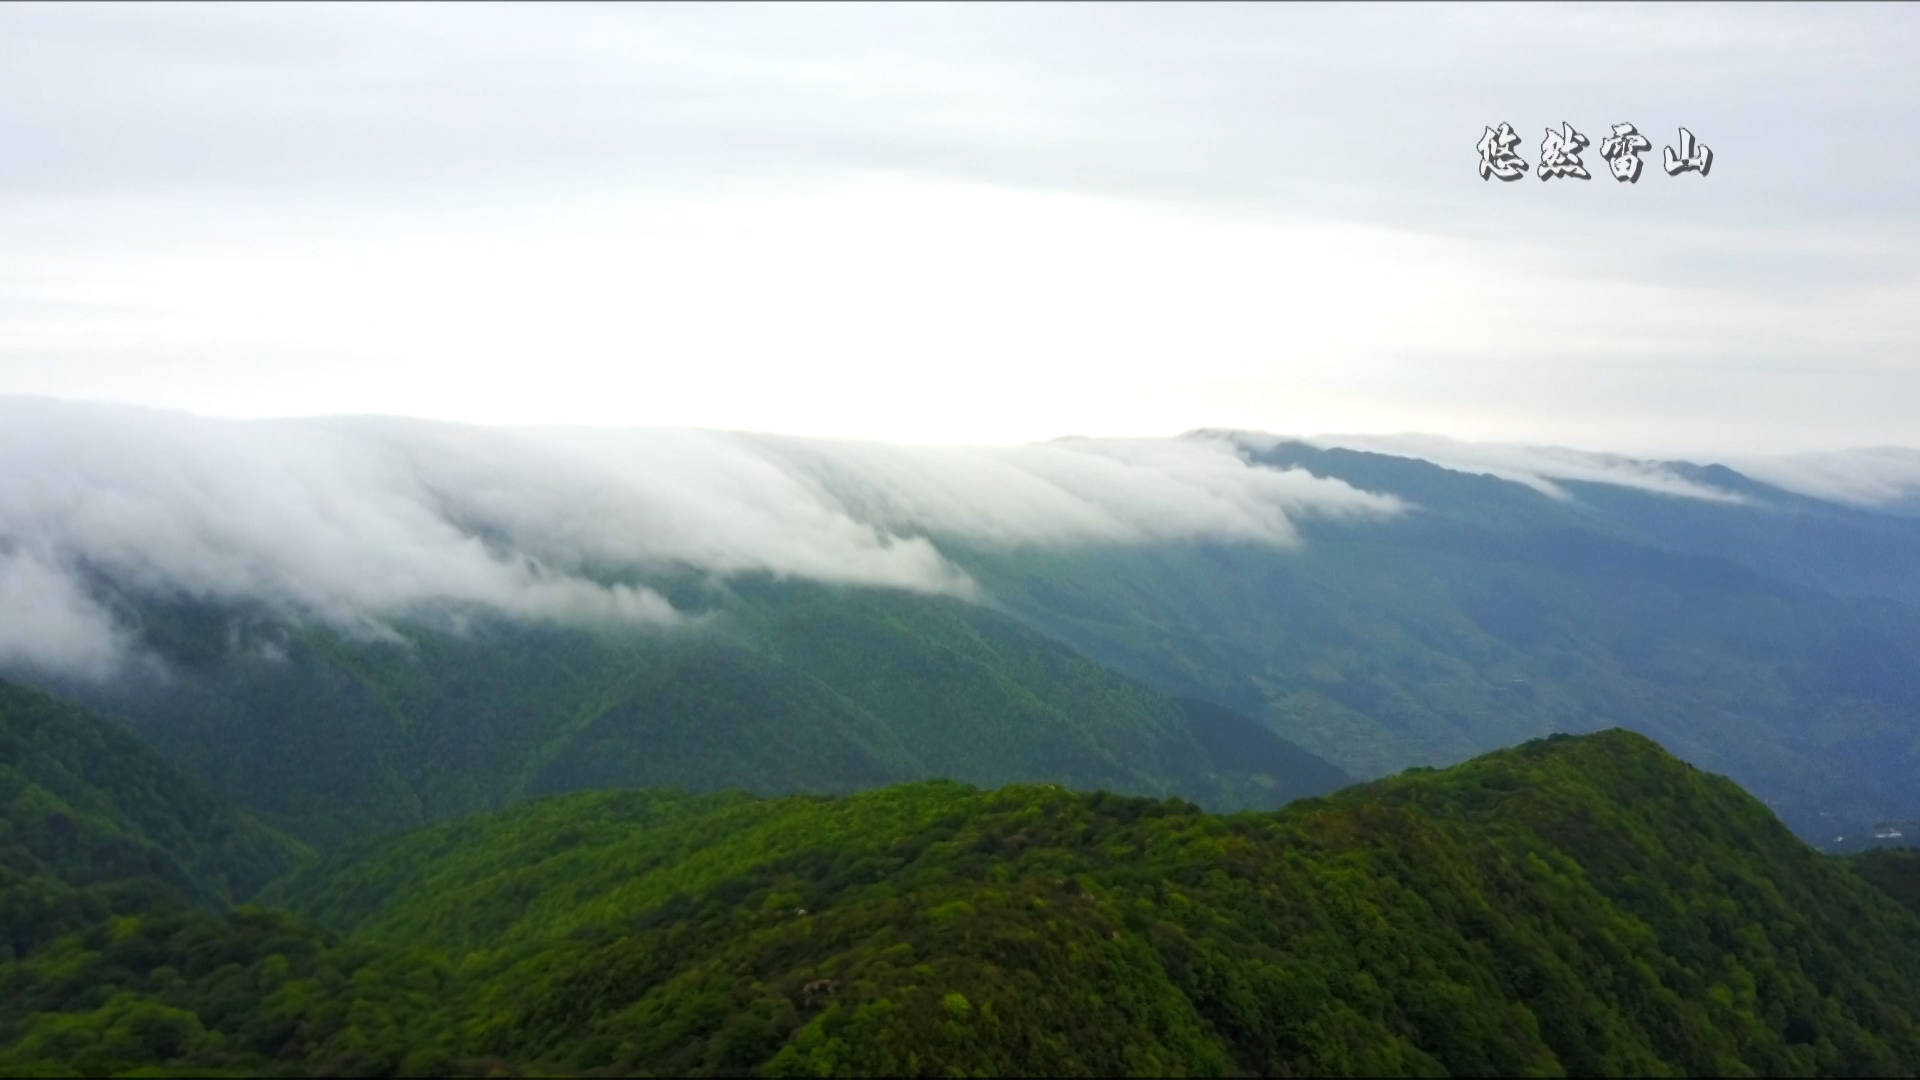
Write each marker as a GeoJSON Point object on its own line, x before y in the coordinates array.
{"type": "Point", "coordinates": [1535, 466]}
{"type": "Point", "coordinates": [1877, 476]}
{"type": "Point", "coordinates": [1873, 477]}
{"type": "Point", "coordinates": [358, 520]}
{"type": "Point", "coordinates": [1867, 477]}
{"type": "Point", "coordinates": [47, 621]}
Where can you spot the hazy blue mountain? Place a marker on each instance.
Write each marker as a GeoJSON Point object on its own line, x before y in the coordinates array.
{"type": "Point", "coordinates": [1767, 639]}
{"type": "Point", "coordinates": [1845, 549]}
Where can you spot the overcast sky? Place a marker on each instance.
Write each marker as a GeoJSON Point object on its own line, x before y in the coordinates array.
{"type": "Point", "coordinates": [972, 223]}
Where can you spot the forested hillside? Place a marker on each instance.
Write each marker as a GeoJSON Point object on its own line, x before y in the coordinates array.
{"type": "Point", "coordinates": [1575, 905]}
{"type": "Point", "coordinates": [1894, 871]}
{"type": "Point", "coordinates": [89, 807]}
{"type": "Point", "coordinates": [784, 686]}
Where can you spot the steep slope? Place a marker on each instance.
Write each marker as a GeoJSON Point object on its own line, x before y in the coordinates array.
{"type": "Point", "coordinates": [1894, 871]}
{"type": "Point", "coordinates": [1495, 613]}
{"type": "Point", "coordinates": [782, 687]}
{"type": "Point", "coordinates": [95, 819]}
{"type": "Point", "coordinates": [87, 802]}
{"type": "Point", "coordinates": [1575, 905]}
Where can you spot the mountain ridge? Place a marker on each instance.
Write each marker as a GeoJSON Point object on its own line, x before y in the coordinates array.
{"type": "Point", "coordinates": [1574, 905]}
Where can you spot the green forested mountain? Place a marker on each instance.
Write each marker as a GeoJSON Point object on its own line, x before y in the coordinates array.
{"type": "Point", "coordinates": [89, 805]}
{"type": "Point", "coordinates": [1575, 905]}
{"type": "Point", "coordinates": [1775, 640]}
{"type": "Point", "coordinates": [782, 687]}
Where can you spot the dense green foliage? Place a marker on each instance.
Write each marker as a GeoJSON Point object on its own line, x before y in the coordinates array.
{"type": "Point", "coordinates": [1775, 640]}
{"type": "Point", "coordinates": [1894, 871]}
{"type": "Point", "coordinates": [94, 818]}
{"type": "Point", "coordinates": [783, 687]}
{"type": "Point", "coordinates": [1575, 905]}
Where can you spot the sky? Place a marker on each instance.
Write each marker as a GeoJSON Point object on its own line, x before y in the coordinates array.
{"type": "Point", "coordinates": [970, 224]}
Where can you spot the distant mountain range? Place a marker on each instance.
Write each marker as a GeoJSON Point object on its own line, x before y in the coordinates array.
{"type": "Point", "coordinates": [367, 623]}
{"type": "Point", "coordinates": [1753, 630]}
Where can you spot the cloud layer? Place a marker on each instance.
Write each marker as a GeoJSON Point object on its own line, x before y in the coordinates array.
{"type": "Point", "coordinates": [1871, 476]}
{"type": "Point", "coordinates": [1886, 477]}
{"type": "Point", "coordinates": [359, 520]}
{"type": "Point", "coordinates": [1535, 466]}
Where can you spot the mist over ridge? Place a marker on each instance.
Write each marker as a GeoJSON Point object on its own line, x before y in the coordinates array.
{"type": "Point", "coordinates": [354, 520]}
